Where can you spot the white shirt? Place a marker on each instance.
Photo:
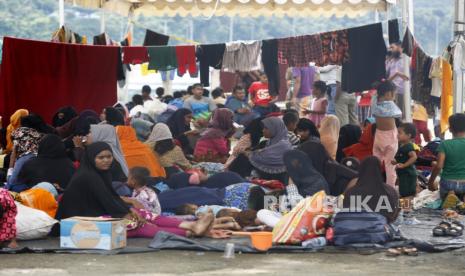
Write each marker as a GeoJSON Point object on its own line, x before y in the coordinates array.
{"type": "Point", "coordinates": [137, 109]}
{"type": "Point", "coordinates": [330, 73]}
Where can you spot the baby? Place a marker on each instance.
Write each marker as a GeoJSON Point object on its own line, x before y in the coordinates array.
{"type": "Point", "coordinates": [142, 196]}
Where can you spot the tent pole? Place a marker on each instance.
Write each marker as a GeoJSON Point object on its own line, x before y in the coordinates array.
{"type": "Point", "coordinates": [231, 28]}
{"type": "Point", "coordinates": [407, 20]}
{"type": "Point", "coordinates": [102, 21]}
{"type": "Point", "coordinates": [459, 29]}
{"type": "Point", "coordinates": [61, 12]}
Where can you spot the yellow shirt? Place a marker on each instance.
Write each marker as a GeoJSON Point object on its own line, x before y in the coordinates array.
{"type": "Point", "coordinates": [419, 113]}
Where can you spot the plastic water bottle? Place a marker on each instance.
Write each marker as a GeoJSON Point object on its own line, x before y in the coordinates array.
{"type": "Point", "coordinates": [315, 243]}
{"type": "Point", "coordinates": [229, 251]}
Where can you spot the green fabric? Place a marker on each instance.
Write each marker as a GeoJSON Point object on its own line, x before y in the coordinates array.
{"type": "Point", "coordinates": [407, 176]}
{"type": "Point", "coordinates": [162, 58]}
{"type": "Point", "coordinates": [454, 165]}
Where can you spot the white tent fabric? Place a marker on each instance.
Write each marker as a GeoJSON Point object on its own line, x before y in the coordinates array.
{"type": "Point", "coordinates": [243, 8]}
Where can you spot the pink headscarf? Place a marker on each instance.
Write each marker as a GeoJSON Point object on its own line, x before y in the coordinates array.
{"type": "Point", "coordinates": [221, 125]}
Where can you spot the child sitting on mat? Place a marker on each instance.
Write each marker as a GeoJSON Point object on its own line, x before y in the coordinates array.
{"type": "Point", "coordinates": [142, 196]}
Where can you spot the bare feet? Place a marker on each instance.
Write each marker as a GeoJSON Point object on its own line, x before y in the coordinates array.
{"type": "Point", "coordinates": [219, 234]}
{"type": "Point", "coordinates": [13, 244]}
{"type": "Point", "coordinates": [201, 227]}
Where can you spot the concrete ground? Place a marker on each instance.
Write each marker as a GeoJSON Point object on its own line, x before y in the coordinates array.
{"type": "Point", "coordinates": [199, 263]}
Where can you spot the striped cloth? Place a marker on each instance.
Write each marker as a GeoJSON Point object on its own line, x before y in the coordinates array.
{"type": "Point", "coordinates": [242, 56]}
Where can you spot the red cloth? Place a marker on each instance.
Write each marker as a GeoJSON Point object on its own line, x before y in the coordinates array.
{"type": "Point", "coordinates": [259, 93]}
{"type": "Point", "coordinates": [364, 148]}
{"type": "Point", "coordinates": [186, 60]}
{"type": "Point", "coordinates": [135, 55]}
{"type": "Point", "coordinates": [44, 76]}
{"type": "Point", "coordinates": [299, 51]}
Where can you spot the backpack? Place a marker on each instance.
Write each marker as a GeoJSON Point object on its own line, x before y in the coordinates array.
{"type": "Point", "coordinates": [360, 227]}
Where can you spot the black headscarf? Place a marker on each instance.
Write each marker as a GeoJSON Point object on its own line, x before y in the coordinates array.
{"type": "Point", "coordinates": [337, 175]}
{"type": "Point", "coordinates": [86, 118]}
{"type": "Point", "coordinates": [306, 124]}
{"type": "Point", "coordinates": [255, 129]}
{"type": "Point", "coordinates": [114, 117]}
{"type": "Point", "coordinates": [370, 183]}
{"type": "Point", "coordinates": [177, 123]}
{"type": "Point", "coordinates": [50, 165]}
{"type": "Point", "coordinates": [68, 114]}
{"type": "Point", "coordinates": [89, 192]}
{"type": "Point", "coordinates": [36, 122]}
{"type": "Point", "coordinates": [348, 135]}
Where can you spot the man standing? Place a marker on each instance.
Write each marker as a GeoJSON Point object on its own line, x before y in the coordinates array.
{"type": "Point", "coordinates": [146, 90]}
{"type": "Point", "coordinates": [303, 86]}
{"type": "Point", "coordinates": [395, 72]}
{"type": "Point", "coordinates": [329, 75]}
{"type": "Point", "coordinates": [345, 103]}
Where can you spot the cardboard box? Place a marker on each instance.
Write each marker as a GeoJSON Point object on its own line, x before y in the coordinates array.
{"type": "Point", "coordinates": [92, 233]}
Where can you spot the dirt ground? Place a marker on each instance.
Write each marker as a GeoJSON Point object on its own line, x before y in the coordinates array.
{"type": "Point", "coordinates": [195, 263]}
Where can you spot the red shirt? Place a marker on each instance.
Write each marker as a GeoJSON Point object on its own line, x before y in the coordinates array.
{"type": "Point", "coordinates": [259, 93]}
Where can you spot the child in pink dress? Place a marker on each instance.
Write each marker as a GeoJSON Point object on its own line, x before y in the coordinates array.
{"type": "Point", "coordinates": [319, 104]}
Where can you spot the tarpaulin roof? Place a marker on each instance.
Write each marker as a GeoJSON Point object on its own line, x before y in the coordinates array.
{"type": "Point", "coordinates": [243, 8]}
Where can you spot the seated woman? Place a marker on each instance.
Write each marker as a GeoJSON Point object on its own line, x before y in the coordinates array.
{"type": "Point", "coordinates": [112, 116]}
{"type": "Point", "coordinates": [15, 123]}
{"type": "Point", "coordinates": [307, 131]}
{"type": "Point", "coordinates": [337, 175]}
{"type": "Point", "coordinates": [243, 114]}
{"type": "Point", "coordinates": [180, 127]}
{"type": "Point", "coordinates": [364, 148]}
{"type": "Point", "coordinates": [370, 184]}
{"type": "Point", "coordinates": [329, 134]}
{"type": "Point", "coordinates": [107, 133]}
{"type": "Point", "coordinates": [50, 165]}
{"type": "Point", "coordinates": [243, 196]}
{"type": "Point", "coordinates": [169, 154]}
{"type": "Point", "coordinates": [63, 116]}
{"type": "Point", "coordinates": [138, 154]}
{"type": "Point", "coordinates": [200, 178]}
{"type": "Point", "coordinates": [249, 141]}
{"type": "Point", "coordinates": [213, 145]}
{"type": "Point", "coordinates": [90, 194]}
{"type": "Point", "coordinates": [348, 135]}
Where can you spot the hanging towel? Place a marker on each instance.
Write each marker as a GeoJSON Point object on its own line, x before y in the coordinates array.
{"type": "Point", "coordinates": [299, 51]}
{"type": "Point", "coordinates": [155, 39]}
{"type": "Point", "coordinates": [393, 29]}
{"type": "Point", "coordinates": [162, 58]}
{"type": "Point", "coordinates": [270, 65]}
{"type": "Point", "coordinates": [447, 99]}
{"type": "Point", "coordinates": [242, 56]}
{"type": "Point", "coordinates": [209, 55]}
{"type": "Point", "coordinates": [408, 43]}
{"type": "Point", "coordinates": [367, 51]}
{"type": "Point", "coordinates": [335, 47]}
{"type": "Point", "coordinates": [436, 77]}
{"type": "Point", "coordinates": [186, 60]}
{"type": "Point", "coordinates": [135, 55]}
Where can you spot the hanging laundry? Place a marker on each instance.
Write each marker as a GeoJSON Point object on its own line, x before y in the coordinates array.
{"type": "Point", "coordinates": [458, 54]}
{"type": "Point", "coordinates": [270, 65]}
{"type": "Point", "coordinates": [102, 39]}
{"type": "Point", "coordinates": [447, 99]}
{"type": "Point", "coordinates": [435, 74]}
{"type": "Point", "coordinates": [162, 58]}
{"type": "Point", "coordinates": [421, 84]}
{"type": "Point", "coordinates": [155, 39]}
{"type": "Point", "coordinates": [209, 56]}
{"type": "Point", "coordinates": [367, 51]}
{"type": "Point", "coordinates": [186, 60]}
{"type": "Point", "coordinates": [59, 74]}
{"type": "Point", "coordinates": [120, 71]}
{"type": "Point", "coordinates": [65, 35]}
{"type": "Point", "coordinates": [393, 30]}
{"type": "Point", "coordinates": [299, 51]}
{"type": "Point", "coordinates": [408, 43]}
{"type": "Point", "coordinates": [242, 56]}
{"type": "Point", "coordinates": [144, 69]}
{"type": "Point", "coordinates": [167, 75]}
{"type": "Point", "coordinates": [335, 47]}
{"type": "Point", "coordinates": [135, 55]}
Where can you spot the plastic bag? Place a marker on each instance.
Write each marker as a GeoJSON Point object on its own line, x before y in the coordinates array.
{"type": "Point", "coordinates": [32, 223]}
{"type": "Point", "coordinates": [39, 199]}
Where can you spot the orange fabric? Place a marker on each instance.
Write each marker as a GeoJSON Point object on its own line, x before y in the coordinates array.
{"type": "Point", "coordinates": [39, 199]}
{"type": "Point", "coordinates": [364, 147]}
{"type": "Point", "coordinates": [447, 99]}
{"type": "Point", "coordinates": [136, 153]}
{"type": "Point", "coordinates": [15, 123]}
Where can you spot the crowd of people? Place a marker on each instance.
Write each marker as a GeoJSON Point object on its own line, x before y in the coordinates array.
{"type": "Point", "coordinates": [196, 165]}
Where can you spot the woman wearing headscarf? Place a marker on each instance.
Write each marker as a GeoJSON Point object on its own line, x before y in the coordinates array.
{"type": "Point", "coordinates": [180, 127]}
{"type": "Point", "coordinates": [337, 175]}
{"type": "Point", "coordinates": [142, 127]}
{"type": "Point", "coordinates": [348, 135]}
{"type": "Point", "coordinates": [269, 160]}
{"type": "Point", "coordinates": [112, 116]}
{"type": "Point", "coordinates": [50, 165]}
{"type": "Point", "coordinates": [107, 133]}
{"type": "Point", "coordinates": [63, 116]}
{"type": "Point", "coordinates": [370, 184]}
{"type": "Point", "coordinates": [90, 194]}
{"type": "Point", "coordinates": [136, 153]}
{"type": "Point", "coordinates": [170, 155]}
{"type": "Point", "coordinates": [329, 134]}
{"type": "Point", "coordinates": [15, 123]}
{"type": "Point", "coordinates": [364, 148]}
{"type": "Point", "coordinates": [213, 145]}
{"type": "Point", "coordinates": [250, 140]}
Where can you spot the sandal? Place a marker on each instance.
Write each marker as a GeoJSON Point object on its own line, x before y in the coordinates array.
{"type": "Point", "coordinates": [410, 251]}
{"type": "Point", "coordinates": [441, 229]}
{"type": "Point", "coordinates": [393, 252]}
{"type": "Point", "coordinates": [456, 229]}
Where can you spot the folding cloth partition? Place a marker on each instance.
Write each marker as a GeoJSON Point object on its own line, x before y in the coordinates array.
{"type": "Point", "coordinates": [44, 76]}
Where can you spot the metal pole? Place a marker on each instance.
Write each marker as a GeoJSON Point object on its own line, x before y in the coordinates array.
{"type": "Point", "coordinates": [407, 19]}
{"type": "Point", "coordinates": [231, 28]}
{"type": "Point", "coordinates": [459, 29]}
{"type": "Point", "coordinates": [61, 12]}
{"type": "Point", "coordinates": [436, 52]}
{"type": "Point", "coordinates": [102, 21]}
